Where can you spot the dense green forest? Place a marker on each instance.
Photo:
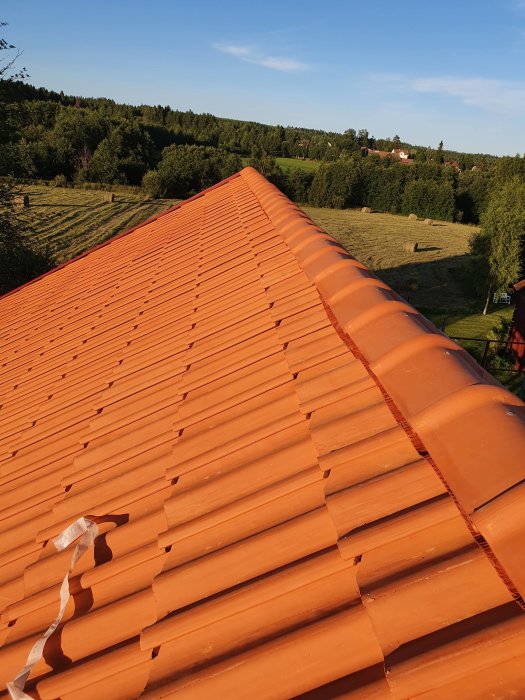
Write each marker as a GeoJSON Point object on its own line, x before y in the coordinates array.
{"type": "Point", "coordinates": [45, 135]}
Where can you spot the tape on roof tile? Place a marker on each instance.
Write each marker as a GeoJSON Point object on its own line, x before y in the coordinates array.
{"type": "Point", "coordinates": [87, 530]}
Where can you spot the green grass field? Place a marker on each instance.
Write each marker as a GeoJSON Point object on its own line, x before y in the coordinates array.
{"type": "Point", "coordinates": [70, 221]}
{"type": "Point", "coordinates": [430, 277]}
{"type": "Point", "coordinates": [306, 164]}
{"type": "Point", "coordinates": [288, 163]}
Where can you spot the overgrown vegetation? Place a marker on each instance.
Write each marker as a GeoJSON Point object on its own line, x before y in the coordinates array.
{"type": "Point", "coordinates": [22, 256]}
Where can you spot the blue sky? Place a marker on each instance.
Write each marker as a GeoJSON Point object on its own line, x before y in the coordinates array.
{"type": "Point", "coordinates": [450, 70]}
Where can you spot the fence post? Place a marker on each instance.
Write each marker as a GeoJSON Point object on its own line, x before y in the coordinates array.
{"type": "Point", "coordinates": [485, 353]}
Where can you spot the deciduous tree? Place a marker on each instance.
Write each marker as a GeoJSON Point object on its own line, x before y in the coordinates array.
{"type": "Point", "coordinates": [498, 248]}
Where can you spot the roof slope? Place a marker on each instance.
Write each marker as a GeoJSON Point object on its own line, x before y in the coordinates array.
{"type": "Point", "coordinates": [303, 488]}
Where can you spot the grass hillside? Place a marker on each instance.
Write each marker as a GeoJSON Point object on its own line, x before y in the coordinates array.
{"type": "Point", "coordinates": [71, 221]}
{"type": "Point", "coordinates": [428, 278]}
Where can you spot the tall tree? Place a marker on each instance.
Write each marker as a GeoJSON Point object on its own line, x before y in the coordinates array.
{"type": "Point", "coordinates": [440, 157]}
{"type": "Point", "coordinates": [498, 248]}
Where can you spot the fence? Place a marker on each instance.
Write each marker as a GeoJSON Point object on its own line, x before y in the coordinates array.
{"type": "Point", "coordinates": [496, 357]}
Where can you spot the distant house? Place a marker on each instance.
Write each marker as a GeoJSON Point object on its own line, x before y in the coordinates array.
{"type": "Point", "coordinates": [517, 328]}
{"type": "Point", "coordinates": [375, 152]}
{"type": "Point", "coordinates": [453, 164]}
{"type": "Point", "coordinates": [381, 154]}
{"type": "Point", "coordinates": [399, 153]}
{"type": "Point", "coordinates": [402, 153]}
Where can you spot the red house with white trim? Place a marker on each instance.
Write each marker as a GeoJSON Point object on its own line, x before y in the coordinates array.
{"type": "Point", "coordinates": [517, 329]}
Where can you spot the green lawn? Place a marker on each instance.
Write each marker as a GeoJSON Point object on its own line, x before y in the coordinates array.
{"type": "Point", "coordinates": [306, 164]}
{"type": "Point", "coordinates": [463, 324]}
{"type": "Point", "coordinates": [288, 163]}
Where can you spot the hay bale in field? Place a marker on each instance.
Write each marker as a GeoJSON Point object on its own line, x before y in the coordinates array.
{"type": "Point", "coordinates": [412, 217]}
{"type": "Point", "coordinates": [109, 197]}
{"type": "Point", "coordinates": [428, 222]}
{"type": "Point", "coordinates": [366, 210]}
{"type": "Point", "coordinates": [410, 247]}
{"type": "Point", "coordinates": [22, 201]}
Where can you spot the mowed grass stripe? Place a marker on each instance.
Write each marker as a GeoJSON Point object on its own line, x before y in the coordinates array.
{"type": "Point", "coordinates": [122, 221]}
{"type": "Point", "coordinates": [77, 222]}
{"type": "Point", "coordinates": [71, 221]}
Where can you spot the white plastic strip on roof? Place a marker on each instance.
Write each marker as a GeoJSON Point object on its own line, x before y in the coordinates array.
{"type": "Point", "coordinates": [87, 530]}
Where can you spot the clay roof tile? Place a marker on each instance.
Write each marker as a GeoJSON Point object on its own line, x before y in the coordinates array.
{"type": "Point", "coordinates": [302, 486]}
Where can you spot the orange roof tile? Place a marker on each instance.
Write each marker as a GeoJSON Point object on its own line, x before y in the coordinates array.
{"type": "Point", "coordinates": [302, 487]}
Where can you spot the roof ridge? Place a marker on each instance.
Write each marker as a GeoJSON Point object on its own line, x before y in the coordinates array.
{"type": "Point", "coordinates": [375, 323]}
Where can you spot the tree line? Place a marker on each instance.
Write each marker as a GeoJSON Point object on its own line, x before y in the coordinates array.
{"type": "Point", "coordinates": [48, 135]}
{"type": "Point", "coordinates": [45, 135]}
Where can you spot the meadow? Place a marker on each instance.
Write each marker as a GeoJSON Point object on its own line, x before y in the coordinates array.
{"type": "Point", "coordinates": [70, 221]}
{"type": "Point", "coordinates": [290, 163]}
{"type": "Point", "coordinates": [429, 278]}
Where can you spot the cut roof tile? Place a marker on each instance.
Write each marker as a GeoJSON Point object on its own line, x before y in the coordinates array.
{"type": "Point", "coordinates": [302, 487]}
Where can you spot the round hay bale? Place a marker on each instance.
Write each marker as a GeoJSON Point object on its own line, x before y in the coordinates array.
{"type": "Point", "coordinates": [428, 222]}
{"type": "Point", "coordinates": [109, 197]}
{"type": "Point", "coordinates": [366, 210]}
{"type": "Point", "coordinates": [410, 247]}
{"type": "Point", "coordinates": [412, 217]}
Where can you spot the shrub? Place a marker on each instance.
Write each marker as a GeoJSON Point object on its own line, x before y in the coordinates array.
{"type": "Point", "coordinates": [152, 185]}
{"type": "Point", "coordinates": [60, 181]}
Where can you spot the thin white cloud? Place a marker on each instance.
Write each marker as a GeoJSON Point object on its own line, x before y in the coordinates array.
{"type": "Point", "coordinates": [252, 55]}
{"type": "Point", "coordinates": [288, 65]}
{"type": "Point", "coordinates": [233, 50]}
{"type": "Point", "coordinates": [488, 94]}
